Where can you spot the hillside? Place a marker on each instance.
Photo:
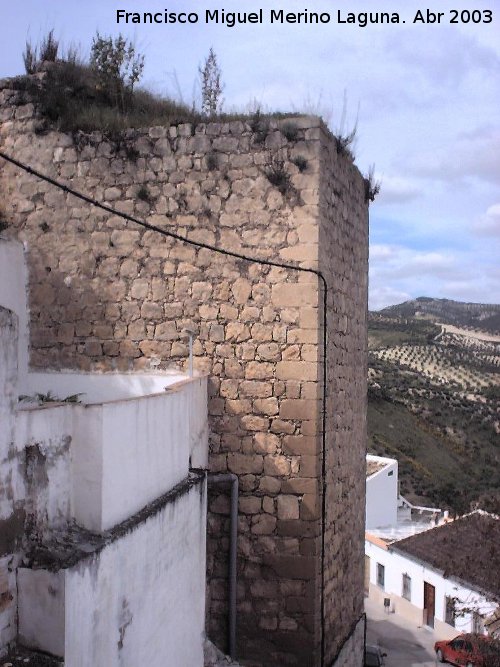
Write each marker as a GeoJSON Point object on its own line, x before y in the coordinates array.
{"type": "Point", "coordinates": [434, 390]}
{"type": "Point", "coordinates": [481, 316]}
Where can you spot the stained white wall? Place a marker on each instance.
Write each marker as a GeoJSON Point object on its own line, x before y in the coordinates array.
{"type": "Point", "coordinates": [382, 494]}
{"type": "Point", "coordinates": [8, 400]}
{"type": "Point", "coordinates": [41, 610]}
{"type": "Point", "coordinates": [396, 565]}
{"type": "Point", "coordinates": [141, 600]}
{"type": "Point", "coordinates": [45, 433]}
{"type": "Point", "coordinates": [13, 285]}
{"type": "Point", "coordinates": [197, 399]}
{"type": "Point", "coordinates": [11, 488]}
{"type": "Point", "coordinates": [107, 460]}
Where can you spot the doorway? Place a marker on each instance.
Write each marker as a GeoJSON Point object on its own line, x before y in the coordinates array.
{"type": "Point", "coordinates": [429, 604]}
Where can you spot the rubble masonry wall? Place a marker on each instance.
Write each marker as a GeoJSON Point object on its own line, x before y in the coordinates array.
{"type": "Point", "coordinates": [107, 294]}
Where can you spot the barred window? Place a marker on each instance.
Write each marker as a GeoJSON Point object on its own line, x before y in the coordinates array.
{"type": "Point", "coordinates": [477, 623]}
{"type": "Point", "coordinates": [449, 610]}
{"type": "Point", "coordinates": [380, 575]}
{"type": "Point", "coordinates": [407, 587]}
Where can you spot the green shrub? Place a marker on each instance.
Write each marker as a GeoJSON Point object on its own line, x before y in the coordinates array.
{"type": "Point", "coordinates": [372, 187]}
{"type": "Point", "coordinates": [300, 162]}
{"type": "Point", "coordinates": [259, 125]}
{"type": "Point", "coordinates": [34, 56]}
{"type": "Point", "coordinates": [118, 68]}
{"type": "Point", "coordinates": [144, 194]}
{"type": "Point", "coordinates": [290, 131]}
{"type": "Point", "coordinates": [211, 86]}
{"type": "Point", "coordinates": [212, 161]}
{"type": "Point", "coordinates": [277, 174]}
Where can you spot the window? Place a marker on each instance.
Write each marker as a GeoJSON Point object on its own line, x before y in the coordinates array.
{"type": "Point", "coordinates": [477, 623]}
{"type": "Point", "coordinates": [407, 587]}
{"type": "Point", "coordinates": [380, 575]}
{"type": "Point", "coordinates": [449, 615]}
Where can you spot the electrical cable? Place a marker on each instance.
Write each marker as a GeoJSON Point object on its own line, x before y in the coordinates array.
{"type": "Point", "coordinates": [246, 258]}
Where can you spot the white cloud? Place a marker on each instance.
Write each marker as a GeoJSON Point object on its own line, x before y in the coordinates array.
{"type": "Point", "coordinates": [398, 273]}
{"type": "Point", "coordinates": [473, 155]}
{"type": "Point", "coordinates": [382, 296]}
{"type": "Point", "coordinates": [397, 190]}
{"type": "Point", "coordinates": [489, 224]}
{"type": "Point", "coordinates": [398, 262]}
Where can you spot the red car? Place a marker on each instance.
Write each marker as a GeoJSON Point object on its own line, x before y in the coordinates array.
{"type": "Point", "coordinates": [470, 651]}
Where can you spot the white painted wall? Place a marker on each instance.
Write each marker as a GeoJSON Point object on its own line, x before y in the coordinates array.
{"type": "Point", "coordinates": [128, 453]}
{"type": "Point", "coordinates": [142, 600]}
{"type": "Point", "coordinates": [382, 494]}
{"type": "Point", "coordinates": [145, 452]}
{"type": "Point", "coordinates": [41, 610]}
{"type": "Point", "coordinates": [396, 565]}
{"type": "Point", "coordinates": [101, 387]}
{"type": "Point", "coordinates": [13, 295]}
{"type": "Point", "coordinates": [8, 399]}
{"type": "Point", "coordinates": [87, 477]}
{"type": "Point", "coordinates": [11, 489]}
{"type": "Point", "coordinates": [122, 454]}
{"type": "Point", "coordinates": [197, 399]}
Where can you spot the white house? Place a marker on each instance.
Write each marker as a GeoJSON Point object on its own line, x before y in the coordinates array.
{"type": "Point", "coordinates": [102, 506]}
{"type": "Point", "coordinates": [389, 514]}
{"type": "Point", "coordinates": [435, 572]}
{"type": "Point", "coordinates": [381, 492]}
{"type": "Point", "coordinates": [445, 578]}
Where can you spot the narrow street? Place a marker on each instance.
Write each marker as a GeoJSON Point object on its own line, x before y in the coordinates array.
{"type": "Point", "coordinates": [405, 644]}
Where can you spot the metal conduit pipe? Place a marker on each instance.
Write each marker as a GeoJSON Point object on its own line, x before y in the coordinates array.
{"type": "Point", "coordinates": [224, 478]}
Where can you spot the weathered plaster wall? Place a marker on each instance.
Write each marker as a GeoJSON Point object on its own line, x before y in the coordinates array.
{"type": "Point", "coordinates": [121, 613]}
{"type": "Point", "coordinates": [11, 515]}
{"type": "Point", "coordinates": [44, 436]}
{"type": "Point", "coordinates": [106, 294]}
{"type": "Point", "coordinates": [100, 463]}
{"type": "Point", "coordinates": [13, 285]}
{"type": "Point", "coordinates": [42, 610]}
{"type": "Point", "coordinates": [138, 600]}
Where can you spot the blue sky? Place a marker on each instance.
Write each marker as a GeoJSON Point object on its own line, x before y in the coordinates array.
{"type": "Point", "coordinates": [426, 97]}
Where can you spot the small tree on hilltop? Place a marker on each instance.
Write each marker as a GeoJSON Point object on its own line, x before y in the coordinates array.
{"type": "Point", "coordinates": [211, 85]}
{"type": "Point", "coordinates": [118, 67]}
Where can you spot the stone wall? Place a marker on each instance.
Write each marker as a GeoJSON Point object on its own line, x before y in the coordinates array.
{"type": "Point", "coordinates": [107, 294]}
{"type": "Point", "coordinates": [343, 258]}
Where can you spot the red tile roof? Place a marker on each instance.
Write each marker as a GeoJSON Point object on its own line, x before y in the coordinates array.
{"type": "Point", "coordinates": [467, 549]}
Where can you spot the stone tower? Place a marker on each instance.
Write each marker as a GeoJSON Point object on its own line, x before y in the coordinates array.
{"type": "Point", "coordinates": [105, 293]}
